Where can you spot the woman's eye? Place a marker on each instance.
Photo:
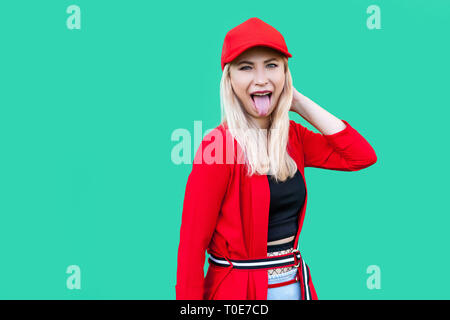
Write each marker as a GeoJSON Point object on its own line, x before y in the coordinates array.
{"type": "Point", "coordinates": [268, 65]}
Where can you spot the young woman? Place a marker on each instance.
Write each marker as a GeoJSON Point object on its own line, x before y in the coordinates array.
{"type": "Point", "coordinates": [246, 195]}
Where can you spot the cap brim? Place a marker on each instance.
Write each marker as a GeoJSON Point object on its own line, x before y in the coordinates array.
{"type": "Point", "coordinates": [249, 45]}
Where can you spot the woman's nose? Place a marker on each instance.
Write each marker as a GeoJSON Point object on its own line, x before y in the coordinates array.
{"type": "Point", "coordinates": [260, 76]}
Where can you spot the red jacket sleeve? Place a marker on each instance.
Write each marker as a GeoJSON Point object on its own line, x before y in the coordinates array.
{"type": "Point", "coordinates": [205, 189]}
{"type": "Point", "coordinates": [345, 150]}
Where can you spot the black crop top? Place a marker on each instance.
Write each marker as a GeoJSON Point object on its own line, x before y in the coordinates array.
{"type": "Point", "coordinates": [286, 200]}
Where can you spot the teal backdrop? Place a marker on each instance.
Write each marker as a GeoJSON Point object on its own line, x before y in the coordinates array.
{"type": "Point", "coordinates": [86, 122]}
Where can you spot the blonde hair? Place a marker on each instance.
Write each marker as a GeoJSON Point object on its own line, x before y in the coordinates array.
{"type": "Point", "coordinates": [265, 151]}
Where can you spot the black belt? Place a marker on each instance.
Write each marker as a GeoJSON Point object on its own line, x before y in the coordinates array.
{"type": "Point", "coordinates": [292, 259]}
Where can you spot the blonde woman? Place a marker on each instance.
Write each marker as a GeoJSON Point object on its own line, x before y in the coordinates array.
{"type": "Point", "coordinates": [246, 195]}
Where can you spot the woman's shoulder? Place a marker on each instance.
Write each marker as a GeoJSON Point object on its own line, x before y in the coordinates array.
{"type": "Point", "coordinates": [217, 135]}
{"type": "Point", "coordinates": [294, 131]}
{"type": "Point", "coordinates": [294, 126]}
{"type": "Point", "coordinates": [217, 146]}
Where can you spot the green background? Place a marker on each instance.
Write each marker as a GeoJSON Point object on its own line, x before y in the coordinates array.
{"type": "Point", "coordinates": [86, 118]}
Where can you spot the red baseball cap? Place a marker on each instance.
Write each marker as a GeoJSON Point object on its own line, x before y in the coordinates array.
{"type": "Point", "coordinates": [251, 33]}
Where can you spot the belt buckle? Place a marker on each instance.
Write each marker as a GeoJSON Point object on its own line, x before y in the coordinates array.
{"type": "Point", "coordinates": [296, 261]}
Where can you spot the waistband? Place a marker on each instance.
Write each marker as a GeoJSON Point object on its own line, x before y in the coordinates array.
{"type": "Point", "coordinates": [283, 279]}
{"type": "Point", "coordinates": [293, 258]}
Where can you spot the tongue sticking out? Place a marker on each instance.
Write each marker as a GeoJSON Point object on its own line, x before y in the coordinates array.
{"type": "Point", "coordinates": [262, 104]}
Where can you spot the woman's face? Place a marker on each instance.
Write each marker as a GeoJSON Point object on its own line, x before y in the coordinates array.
{"type": "Point", "coordinates": [258, 69]}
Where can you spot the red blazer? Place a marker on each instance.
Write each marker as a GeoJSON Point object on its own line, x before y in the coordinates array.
{"type": "Point", "coordinates": [226, 212]}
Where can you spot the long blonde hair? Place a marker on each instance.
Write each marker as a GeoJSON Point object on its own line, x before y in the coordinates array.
{"type": "Point", "coordinates": [265, 152]}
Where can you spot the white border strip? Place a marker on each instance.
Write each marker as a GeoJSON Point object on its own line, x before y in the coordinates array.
{"type": "Point", "coordinates": [306, 281]}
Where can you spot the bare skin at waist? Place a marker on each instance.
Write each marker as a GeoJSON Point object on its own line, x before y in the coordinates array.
{"type": "Point", "coordinates": [281, 241]}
